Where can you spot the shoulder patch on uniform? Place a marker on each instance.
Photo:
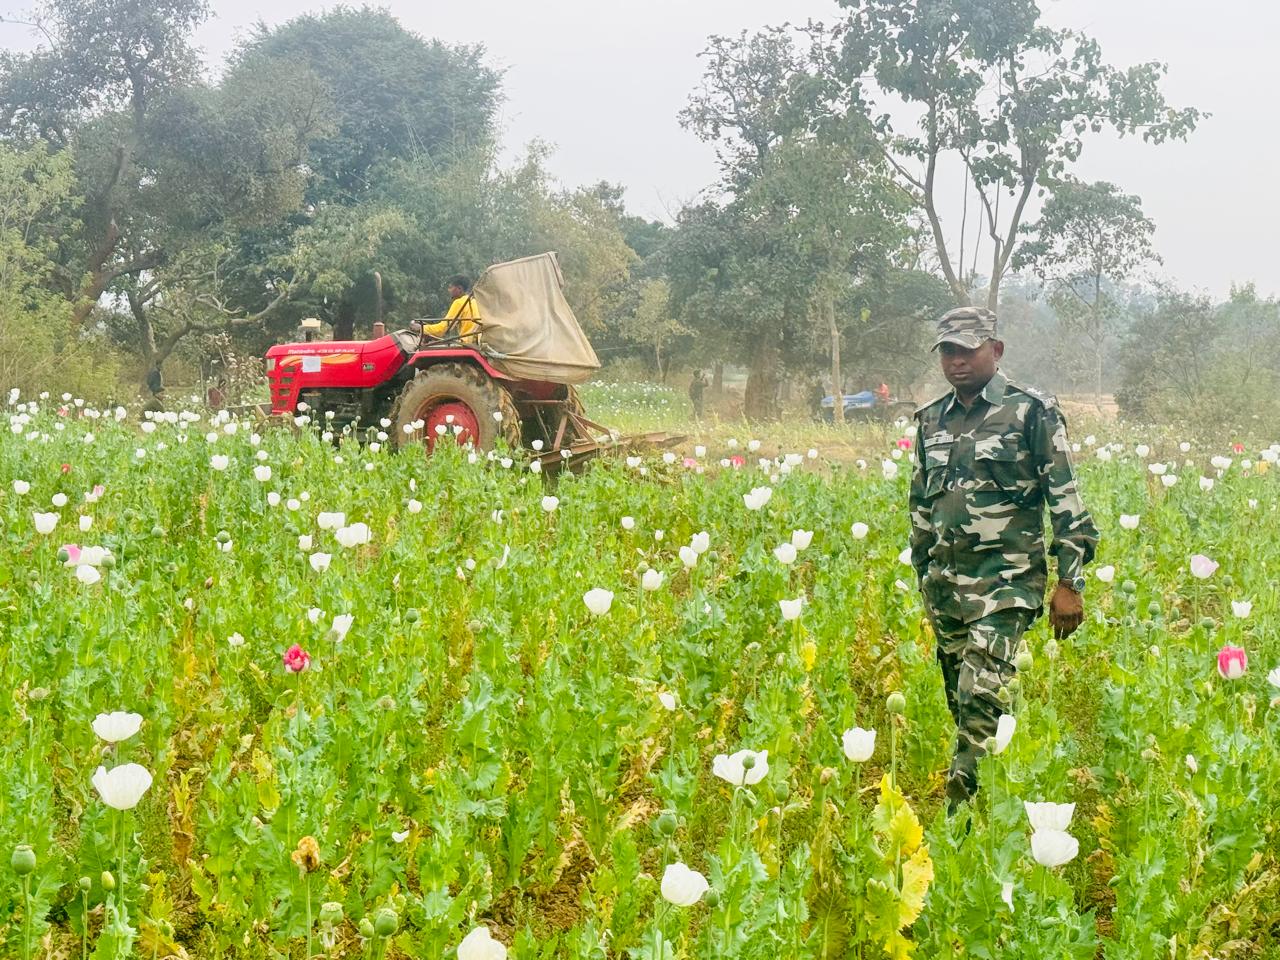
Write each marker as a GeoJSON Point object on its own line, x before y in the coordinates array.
{"type": "Point", "coordinates": [1048, 399]}
{"type": "Point", "coordinates": [929, 403]}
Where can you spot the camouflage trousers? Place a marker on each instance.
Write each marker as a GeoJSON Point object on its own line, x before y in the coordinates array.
{"type": "Point", "coordinates": [976, 660]}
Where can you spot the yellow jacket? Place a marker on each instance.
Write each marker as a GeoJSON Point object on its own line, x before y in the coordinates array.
{"type": "Point", "coordinates": [463, 309]}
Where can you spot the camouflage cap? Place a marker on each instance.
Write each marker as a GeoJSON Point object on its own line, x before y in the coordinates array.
{"type": "Point", "coordinates": [969, 327]}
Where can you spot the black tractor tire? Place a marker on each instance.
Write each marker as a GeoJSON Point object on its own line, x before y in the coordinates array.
{"type": "Point", "coordinates": [464, 383]}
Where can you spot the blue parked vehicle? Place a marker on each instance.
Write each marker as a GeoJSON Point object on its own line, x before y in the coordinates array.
{"type": "Point", "coordinates": [866, 406]}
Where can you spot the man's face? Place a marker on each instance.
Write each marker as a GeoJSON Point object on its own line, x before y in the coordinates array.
{"type": "Point", "coordinates": [455, 291]}
{"type": "Point", "coordinates": [969, 370]}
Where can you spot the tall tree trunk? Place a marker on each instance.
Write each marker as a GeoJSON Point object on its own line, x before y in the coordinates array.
{"type": "Point", "coordinates": [759, 401]}
{"type": "Point", "coordinates": [837, 408]}
{"type": "Point", "coordinates": [344, 324]}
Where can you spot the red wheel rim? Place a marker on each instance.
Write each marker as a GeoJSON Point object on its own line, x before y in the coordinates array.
{"type": "Point", "coordinates": [454, 416]}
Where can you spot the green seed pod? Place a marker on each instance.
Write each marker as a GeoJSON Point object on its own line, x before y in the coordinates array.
{"type": "Point", "coordinates": [1153, 608]}
{"type": "Point", "coordinates": [1228, 580]}
{"type": "Point", "coordinates": [331, 913]}
{"type": "Point", "coordinates": [989, 744]}
{"type": "Point", "coordinates": [385, 922]}
{"type": "Point", "coordinates": [1129, 587]}
{"type": "Point", "coordinates": [1014, 684]}
{"type": "Point", "coordinates": [667, 824]}
{"type": "Point", "coordinates": [23, 859]}
{"type": "Point", "coordinates": [63, 555]}
{"type": "Point", "coordinates": [223, 536]}
{"type": "Point", "coordinates": [711, 898]}
{"type": "Point", "coordinates": [782, 789]}
{"type": "Point", "coordinates": [748, 761]}
{"type": "Point", "coordinates": [365, 927]}
{"type": "Point", "coordinates": [1207, 622]}
{"type": "Point", "coordinates": [109, 561]}
{"type": "Point", "coordinates": [108, 881]}
{"type": "Point", "coordinates": [412, 615]}
{"type": "Point", "coordinates": [896, 703]}
{"type": "Point", "coordinates": [85, 884]}
{"type": "Point", "coordinates": [1024, 660]}
{"type": "Point", "coordinates": [157, 532]}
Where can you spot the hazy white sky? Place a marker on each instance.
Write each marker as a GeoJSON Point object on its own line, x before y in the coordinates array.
{"type": "Point", "coordinates": [604, 82]}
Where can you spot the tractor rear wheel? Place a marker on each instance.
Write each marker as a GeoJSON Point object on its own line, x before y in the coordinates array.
{"type": "Point", "coordinates": [458, 399]}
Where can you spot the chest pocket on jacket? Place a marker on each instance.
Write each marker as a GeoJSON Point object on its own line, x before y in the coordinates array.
{"type": "Point", "coordinates": [997, 467]}
{"type": "Point", "coordinates": [937, 458]}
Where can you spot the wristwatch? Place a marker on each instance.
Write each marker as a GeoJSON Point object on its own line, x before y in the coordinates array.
{"type": "Point", "coordinates": [1073, 583]}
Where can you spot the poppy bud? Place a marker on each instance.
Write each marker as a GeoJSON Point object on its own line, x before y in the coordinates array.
{"type": "Point", "coordinates": [1003, 694]}
{"type": "Point", "coordinates": [365, 928]}
{"type": "Point", "coordinates": [385, 922]}
{"type": "Point", "coordinates": [782, 790]}
{"type": "Point", "coordinates": [108, 881]}
{"type": "Point", "coordinates": [157, 532]}
{"type": "Point", "coordinates": [1153, 608]}
{"type": "Point", "coordinates": [989, 744]}
{"type": "Point", "coordinates": [1014, 684]}
{"type": "Point", "coordinates": [896, 703]}
{"type": "Point", "coordinates": [412, 615]}
{"type": "Point", "coordinates": [23, 859]}
{"type": "Point", "coordinates": [1023, 660]}
{"type": "Point", "coordinates": [667, 824]}
{"type": "Point", "coordinates": [1129, 587]}
{"type": "Point", "coordinates": [1207, 623]}
{"type": "Point", "coordinates": [223, 536]}
{"type": "Point", "coordinates": [85, 884]}
{"type": "Point", "coordinates": [63, 554]}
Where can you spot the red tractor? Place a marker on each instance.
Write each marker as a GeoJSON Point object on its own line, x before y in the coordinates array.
{"type": "Point", "coordinates": [514, 383]}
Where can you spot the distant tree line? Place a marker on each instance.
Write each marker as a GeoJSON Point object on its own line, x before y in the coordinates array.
{"type": "Point", "coordinates": [342, 167]}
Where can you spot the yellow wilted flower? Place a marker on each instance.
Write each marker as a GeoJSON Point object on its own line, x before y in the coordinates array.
{"type": "Point", "coordinates": [808, 654]}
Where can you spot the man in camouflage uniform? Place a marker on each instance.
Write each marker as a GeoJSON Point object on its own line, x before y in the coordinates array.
{"type": "Point", "coordinates": [990, 456]}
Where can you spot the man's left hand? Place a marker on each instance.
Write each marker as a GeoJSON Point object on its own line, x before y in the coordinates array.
{"type": "Point", "coordinates": [1066, 611]}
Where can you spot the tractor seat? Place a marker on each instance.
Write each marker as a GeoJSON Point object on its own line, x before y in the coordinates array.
{"type": "Point", "coordinates": [407, 340]}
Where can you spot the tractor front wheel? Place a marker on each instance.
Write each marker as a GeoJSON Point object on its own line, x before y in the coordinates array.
{"type": "Point", "coordinates": [456, 399]}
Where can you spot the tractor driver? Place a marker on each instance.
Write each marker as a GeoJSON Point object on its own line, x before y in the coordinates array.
{"type": "Point", "coordinates": [462, 309]}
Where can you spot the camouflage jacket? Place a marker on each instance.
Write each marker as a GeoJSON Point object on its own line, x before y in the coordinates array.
{"type": "Point", "coordinates": [981, 481]}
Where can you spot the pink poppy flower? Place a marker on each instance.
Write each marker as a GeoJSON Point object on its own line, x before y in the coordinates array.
{"type": "Point", "coordinates": [296, 659]}
{"type": "Point", "coordinates": [1232, 662]}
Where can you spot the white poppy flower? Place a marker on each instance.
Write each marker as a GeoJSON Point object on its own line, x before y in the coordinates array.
{"type": "Point", "coordinates": [331, 521]}
{"type": "Point", "coordinates": [652, 580]}
{"type": "Point", "coordinates": [1006, 894]}
{"type": "Point", "coordinates": [319, 561]}
{"type": "Point", "coordinates": [86, 522]}
{"type": "Point", "coordinates": [479, 943]}
{"type": "Point", "coordinates": [314, 614]}
{"type": "Point", "coordinates": [889, 469]}
{"type": "Point", "coordinates": [1168, 480]}
{"type": "Point", "coordinates": [785, 554]}
{"type": "Point", "coordinates": [1242, 608]}
{"type": "Point", "coordinates": [305, 542]}
{"type": "Point", "coordinates": [757, 498]}
{"type": "Point", "coordinates": [1192, 766]}
{"type": "Point", "coordinates": [628, 523]}
{"type": "Point", "coordinates": [859, 744]}
{"type": "Point", "coordinates": [791, 608]}
{"type": "Point", "coordinates": [549, 503]}
{"type": "Point", "coordinates": [1005, 727]}
{"type": "Point", "coordinates": [682, 886]}
{"type": "Point", "coordinates": [732, 767]}
{"type": "Point", "coordinates": [219, 461]}
{"type": "Point", "coordinates": [21, 487]}
{"type": "Point", "coordinates": [598, 601]}
{"type": "Point", "coordinates": [235, 640]}
{"type": "Point", "coordinates": [59, 500]}
{"type": "Point", "coordinates": [801, 539]}
{"type": "Point", "coordinates": [859, 530]}
{"type": "Point", "coordinates": [341, 625]}
{"type": "Point", "coordinates": [354, 535]}
{"type": "Point", "coordinates": [689, 557]}
{"type": "Point", "coordinates": [905, 557]}
{"type": "Point", "coordinates": [1129, 521]}
{"type": "Point", "coordinates": [1142, 450]}
{"type": "Point", "coordinates": [45, 522]}
{"type": "Point", "coordinates": [1273, 677]}
{"type": "Point", "coordinates": [1202, 568]}
{"type": "Point", "coordinates": [1053, 848]}
{"type": "Point", "coordinates": [667, 699]}
{"type": "Point", "coordinates": [1049, 816]}
{"type": "Point", "coordinates": [262, 473]}
{"type": "Point", "coordinates": [273, 499]}
{"type": "Point", "coordinates": [1106, 573]}
{"type": "Point", "coordinates": [1206, 484]}
{"type": "Point", "coordinates": [400, 836]}
{"type": "Point", "coordinates": [122, 787]}
{"type": "Point", "coordinates": [116, 726]}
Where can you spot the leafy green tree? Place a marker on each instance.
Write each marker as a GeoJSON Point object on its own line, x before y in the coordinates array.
{"type": "Point", "coordinates": [992, 86]}
{"type": "Point", "coordinates": [1090, 238]}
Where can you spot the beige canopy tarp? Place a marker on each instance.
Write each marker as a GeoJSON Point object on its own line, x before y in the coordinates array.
{"type": "Point", "coordinates": [526, 324]}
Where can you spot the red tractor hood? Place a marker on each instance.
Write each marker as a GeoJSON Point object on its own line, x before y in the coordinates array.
{"type": "Point", "coordinates": [293, 367]}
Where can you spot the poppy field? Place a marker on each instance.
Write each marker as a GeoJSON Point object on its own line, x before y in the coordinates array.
{"type": "Point", "coordinates": [272, 693]}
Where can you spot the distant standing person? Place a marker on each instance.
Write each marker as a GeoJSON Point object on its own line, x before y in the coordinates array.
{"type": "Point", "coordinates": [992, 456]}
{"type": "Point", "coordinates": [697, 388]}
